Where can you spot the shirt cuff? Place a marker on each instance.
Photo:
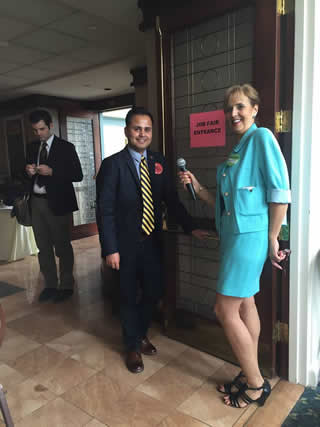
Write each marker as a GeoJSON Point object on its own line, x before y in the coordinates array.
{"type": "Point", "coordinates": [277, 195]}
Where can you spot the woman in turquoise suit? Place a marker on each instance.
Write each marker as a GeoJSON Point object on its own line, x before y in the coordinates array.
{"type": "Point", "coordinates": [251, 203]}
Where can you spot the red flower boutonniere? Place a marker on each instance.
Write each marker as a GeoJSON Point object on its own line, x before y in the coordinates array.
{"type": "Point", "coordinates": [158, 168]}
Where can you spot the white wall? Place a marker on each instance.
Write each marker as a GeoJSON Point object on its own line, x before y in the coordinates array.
{"type": "Point", "coordinates": [304, 339]}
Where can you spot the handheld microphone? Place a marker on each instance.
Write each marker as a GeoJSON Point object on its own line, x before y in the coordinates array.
{"type": "Point", "coordinates": [181, 163]}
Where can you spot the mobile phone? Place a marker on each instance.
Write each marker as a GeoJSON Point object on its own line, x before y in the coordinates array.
{"type": "Point", "coordinates": [284, 262]}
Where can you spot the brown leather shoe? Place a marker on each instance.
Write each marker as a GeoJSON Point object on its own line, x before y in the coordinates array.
{"type": "Point", "coordinates": [134, 362]}
{"type": "Point", "coordinates": [147, 348]}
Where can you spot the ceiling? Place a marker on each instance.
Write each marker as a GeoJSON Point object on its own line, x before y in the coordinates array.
{"type": "Point", "coordinates": [69, 48]}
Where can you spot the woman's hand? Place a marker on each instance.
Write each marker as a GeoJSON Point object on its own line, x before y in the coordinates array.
{"type": "Point", "coordinates": [200, 234]}
{"type": "Point", "coordinates": [276, 256]}
{"type": "Point", "coordinates": [188, 178]}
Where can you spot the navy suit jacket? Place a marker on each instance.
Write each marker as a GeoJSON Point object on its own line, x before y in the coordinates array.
{"type": "Point", "coordinates": [119, 201]}
{"type": "Point", "coordinates": [66, 168]}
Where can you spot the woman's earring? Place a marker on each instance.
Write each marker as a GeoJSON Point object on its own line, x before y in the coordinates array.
{"type": "Point", "coordinates": [254, 116]}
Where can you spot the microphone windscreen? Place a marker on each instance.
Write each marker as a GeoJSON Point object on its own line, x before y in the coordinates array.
{"type": "Point", "coordinates": [181, 163]}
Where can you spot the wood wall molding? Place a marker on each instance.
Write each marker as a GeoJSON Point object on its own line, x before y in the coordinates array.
{"type": "Point", "coordinates": [19, 105]}
{"type": "Point", "coordinates": [140, 76]}
{"type": "Point", "coordinates": [178, 14]}
{"type": "Point", "coordinates": [111, 103]}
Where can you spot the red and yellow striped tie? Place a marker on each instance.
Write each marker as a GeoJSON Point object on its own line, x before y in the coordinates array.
{"type": "Point", "coordinates": [148, 210]}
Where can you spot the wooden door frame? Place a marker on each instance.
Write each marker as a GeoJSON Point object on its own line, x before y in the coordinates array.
{"type": "Point", "coordinates": [286, 67]}
{"type": "Point", "coordinates": [267, 79]}
{"type": "Point", "coordinates": [84, 230]}
{"type": "Point", "coordinates": [264, 69]}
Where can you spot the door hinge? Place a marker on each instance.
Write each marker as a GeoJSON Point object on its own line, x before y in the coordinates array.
{"type": "Point", "coordinates": [284, 7]}
{"type": "Point", "coordinates": [280, 332]}
{"type": "Point", "coordinates": [283, 121]}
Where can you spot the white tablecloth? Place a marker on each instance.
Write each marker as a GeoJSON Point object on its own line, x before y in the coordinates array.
{"type": "Point", "coordinates": [16, 241]}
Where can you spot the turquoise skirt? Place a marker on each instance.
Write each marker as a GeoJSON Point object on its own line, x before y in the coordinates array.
{"type": "Point", "coordinates": [242, 257]}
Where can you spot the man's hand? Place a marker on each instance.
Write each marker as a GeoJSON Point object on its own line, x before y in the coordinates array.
{"type": "Point", "coordinates": [113, 261]}
{"type": "Point", "coordinates": [31, 169]}
{"type": "Point", "coordinates": [200, 234]}
{"type": "Point", "coordinates": [44, 170]}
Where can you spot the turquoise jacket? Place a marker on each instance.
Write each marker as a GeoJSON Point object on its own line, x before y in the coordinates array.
{"type": "Point", "coordinates": [254, 175]}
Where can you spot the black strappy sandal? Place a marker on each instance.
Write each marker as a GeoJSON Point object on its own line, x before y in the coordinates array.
{"type": "Point", "coordinates": [234, 383]}
{"type": "Point", "coordinates": [242, 395]}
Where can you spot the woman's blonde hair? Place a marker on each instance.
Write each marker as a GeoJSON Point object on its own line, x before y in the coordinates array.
{"type": "Point", "coordinates": [249, 91]}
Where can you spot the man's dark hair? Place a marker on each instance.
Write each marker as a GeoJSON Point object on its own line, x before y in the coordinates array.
{"type": "Point", "coordinates": [137, 111]}
{"type": "Point", "coordinates": [38, 115]}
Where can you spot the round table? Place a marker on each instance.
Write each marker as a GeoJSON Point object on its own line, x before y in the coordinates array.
{"type": "Point", "coordinates": [17, 241]}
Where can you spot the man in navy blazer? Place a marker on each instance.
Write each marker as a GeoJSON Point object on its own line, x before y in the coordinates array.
{"type": "Point", "coordinates": [137, 255]}
{"type": "Point", "coordinates": [52, 165]}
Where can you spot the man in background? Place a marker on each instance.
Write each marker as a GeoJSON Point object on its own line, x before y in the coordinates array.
{"type": "Point", "coordinates": [52, 165]}
{"type": "Point", "coordinates": [132, 185]}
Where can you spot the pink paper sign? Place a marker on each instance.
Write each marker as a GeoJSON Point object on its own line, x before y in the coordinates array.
{"type": "Point", "coordinates": [207, 129]}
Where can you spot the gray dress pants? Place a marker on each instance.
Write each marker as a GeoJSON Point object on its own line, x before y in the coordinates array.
{"type": "Point", "coordinates": [52, 235]}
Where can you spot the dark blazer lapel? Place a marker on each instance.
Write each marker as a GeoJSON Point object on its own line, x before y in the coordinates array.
{"type": "Point", "coordinates": [151, 166]}
{"type": "Point", "coordinates": [53, 149]}
{"type": "Point", "coordinates": [131, 166]}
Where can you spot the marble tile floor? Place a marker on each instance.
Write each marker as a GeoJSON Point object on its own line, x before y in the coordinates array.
{"type": "Point", "coordinates": [62, 364]}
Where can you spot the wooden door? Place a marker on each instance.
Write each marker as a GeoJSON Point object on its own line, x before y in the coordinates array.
{"type": "Point", "coordinates": [82, 129]}
{"type": "Point", "coordinates": [213, 46]}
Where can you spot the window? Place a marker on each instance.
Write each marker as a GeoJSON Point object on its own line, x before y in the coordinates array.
{"type": "Point", "coordinates": [112, 125]}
